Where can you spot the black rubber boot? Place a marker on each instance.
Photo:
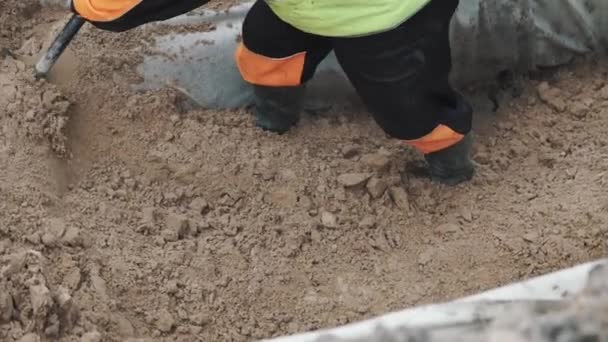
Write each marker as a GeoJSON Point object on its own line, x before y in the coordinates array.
{"type": "Point", "coordinates": [277, 109]}
{"type": "Point", "coordinates": [453, 165]}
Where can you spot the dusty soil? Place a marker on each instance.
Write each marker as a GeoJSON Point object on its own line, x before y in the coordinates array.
{"type": "Point", "coordinates": [126, 215]}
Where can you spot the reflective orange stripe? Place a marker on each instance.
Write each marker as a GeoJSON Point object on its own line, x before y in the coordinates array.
{"type": "Point", "coordinates": [272, 72]}
{"type": "Point", "coordinates": [440, 138]}
{"type": "Point", "coordinates": [104, 10]}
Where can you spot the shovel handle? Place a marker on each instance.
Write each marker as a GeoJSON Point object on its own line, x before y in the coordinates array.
{"type": "Point", "coordinates": [62, 40]}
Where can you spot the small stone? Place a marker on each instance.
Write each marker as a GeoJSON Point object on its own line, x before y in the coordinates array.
{"type": "Point", "coordinates": [329, 220]}
{"type": "Point", "coordinates": [178, 224]}
{"type": "Point", "coordinates": [285, 198]}
{"type": "Point", "coordinates": [376, 161]}
{"type": "Point", "coordinates": [350, 151]}
{"type": "Point", "coordinates": [165, 321]}
{"type": "Point", "coordinates": [400, 198]}
{"type": "Point", "coordinates": [367, 222]}
{"type": "Point", "coordinates": [376, 187]}
{"type": "Point", "coordinates": [353, 179]}
{"type": "Point", "coordinates": [551, 97]}
{"type": "Point", "coordinates": [92, 336]}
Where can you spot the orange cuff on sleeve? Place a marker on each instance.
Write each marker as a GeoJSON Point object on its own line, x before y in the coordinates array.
{"type": "Point", "coordinates": [440, 138]}
{"type": "Point", "coordinates": [267, 71]}
{"type": "Point", "coordinates": [104, 10]}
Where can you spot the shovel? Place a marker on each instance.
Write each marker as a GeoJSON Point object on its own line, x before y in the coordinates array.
{"type": "Point", "coordinates": [62, 40]}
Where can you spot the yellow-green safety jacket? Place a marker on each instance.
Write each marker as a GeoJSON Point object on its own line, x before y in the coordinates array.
{"type": "Point", "coordinates": [344, 18]}
{"type": "Point", "coordinates": [334, 18]}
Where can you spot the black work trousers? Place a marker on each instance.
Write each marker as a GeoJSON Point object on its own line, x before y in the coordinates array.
{"type": "Point", "coordinates": [402, 75]}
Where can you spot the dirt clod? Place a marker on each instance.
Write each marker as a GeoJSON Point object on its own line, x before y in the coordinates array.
{"type": "Point", "coordinates": [376, 161]}
{"type": "Point", "coordinates": [177, 226]}
{"type": "Point", "coordinates": [579, 109]}
{"type": "Point", "coordinates": [165, 321]}
{"type": "Point", "coordinates": [400, 198]}
{"type": "Point", "coordinates": [199, 205]}
{"type": "Point", "coordinates": [329, 220]}
{"type": "Point", "coordinates": [6, 305]}
{"type": "Point", "coordinates": [448, 228]}
{"type": "Point", "coordinates": [552, 97]}
{"type": "Point", "coordinates": [350, 151]}
{"type": "Point", "coordinates": [72, 237]}
{"type": "Point", "coordinates": [148, 216]}
{"type": "Point", "coordinates": [54, 230]}
{"type": "Point", "coordinates": [284, 198]}
{"type": "Point", "coordinates": [376, 187]}
{"type": "Point", "coordinates": [353, 179]}
{"type": "Point", "coordinates": [92, 336]}
{"type": "Point", "coordinates": [367, 222]}
{"type": "Point", "coordinates": [426, 256]}
{"type": "Point", "coordinates": [30, 337]}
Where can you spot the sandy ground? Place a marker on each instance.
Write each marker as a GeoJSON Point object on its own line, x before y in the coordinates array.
{"type": "Point", "coordinates": [128, 215]}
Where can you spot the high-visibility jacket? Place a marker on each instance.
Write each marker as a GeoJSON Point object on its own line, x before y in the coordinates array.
{"type": "Point", "coordinates": [337, 18]}
{"type": "Point", "coordinates": [344, 18]}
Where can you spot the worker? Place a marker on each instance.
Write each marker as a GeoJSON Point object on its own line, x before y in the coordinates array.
{"type": "Point", "coordinates": [396, 53]}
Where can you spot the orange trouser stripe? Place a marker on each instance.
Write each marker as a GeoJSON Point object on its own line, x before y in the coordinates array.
{"type": "Point", "coordinates": [104, 10]}
{"type": "Point", "coordinates": [271, 72]}
{"type": "Point", "coordinates": [440, 138]}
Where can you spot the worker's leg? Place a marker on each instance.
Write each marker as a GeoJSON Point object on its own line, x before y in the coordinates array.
{"type": "Point", "coordinates": [402, 76]}
{"type": "Point", "coordinates": [277, 59]}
